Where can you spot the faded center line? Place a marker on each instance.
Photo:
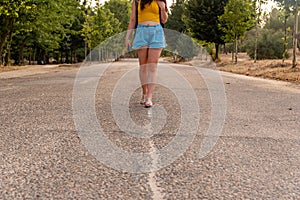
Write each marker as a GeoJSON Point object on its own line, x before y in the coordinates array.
{"type": "Point", "coordinates": [157, 195]}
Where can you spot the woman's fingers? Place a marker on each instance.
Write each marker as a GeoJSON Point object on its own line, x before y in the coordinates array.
{"type": "Point", "coordinates": [161, 4]}
{"type": "Point", "coordinates": [128, 45]}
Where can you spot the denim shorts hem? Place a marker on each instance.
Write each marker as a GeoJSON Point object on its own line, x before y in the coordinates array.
{"type": "Point", "coordinates": [149, 36]}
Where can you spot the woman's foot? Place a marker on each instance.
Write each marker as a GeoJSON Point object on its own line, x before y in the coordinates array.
{"type": "Point", "coordinates": [143, 99]}
{"type": "Point", "coordinates": [148, 103]}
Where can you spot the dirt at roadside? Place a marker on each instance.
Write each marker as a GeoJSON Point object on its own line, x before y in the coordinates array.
{"type": "Point", "coordinates": [272, 69]}
{"type": "Point", "coordinates": [11, 68]}
{"type": "Point", "coordinates": [19, 71]}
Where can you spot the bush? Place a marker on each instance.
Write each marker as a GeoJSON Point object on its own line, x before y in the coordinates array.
{"type": "Point", "coordinates": [270, 45]}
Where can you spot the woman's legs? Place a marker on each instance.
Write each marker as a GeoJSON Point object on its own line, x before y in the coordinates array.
{"type": "Point", "coordinates": [148, 59]}
{"type": "Point", "coordinates": [143, 58]}
{"type": "Point", "coordinates": [153, 56]}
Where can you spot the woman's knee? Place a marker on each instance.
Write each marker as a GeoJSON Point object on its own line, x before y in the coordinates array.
{"type": "Point", "coordinates": [152, 67]}
{"type": "Point", "coordinates": [143, 68]}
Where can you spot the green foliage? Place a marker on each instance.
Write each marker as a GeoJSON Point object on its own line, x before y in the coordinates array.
{"type": "Point", "coordinates": [237, 19]}
{"type": "Point", "coordinates": [175, 20]}
{"type": "Point", "coordinates": [287, 4]}
{"type": "Point", "coordinates": [9, 8]}
{"type": "Point", "coordinates": [39, 29]}
{"type": "Point", "coordinates": [42, 24]}
{"type": "Point", "coordinates": [270, 45]}
{"type": "Point", "coordinates": [121, 10]}
{"type": "Point", "coordinates": [181, 45]}
{"type": "Point", "coordinates": [202, 19]}
{"type": "Point", "coordinates": [276, 20]}
{"type": "Point", "coordinates": [258, 11]}
{"type": "Point", "coordinates": [9, 14]}
{"type": "Point", "coordinates": [99, 25]}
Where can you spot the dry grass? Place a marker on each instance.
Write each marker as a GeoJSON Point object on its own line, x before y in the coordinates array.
{"type": "Point", "coordinates": [11, 68]}
{"type": "Point", "coordinates": [273, 69]}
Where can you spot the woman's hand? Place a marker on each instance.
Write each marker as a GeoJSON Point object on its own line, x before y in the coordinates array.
{"type": "Point", "coordinates": [131, 26]}
{"type": "Point", "coordinates": [163, 10]}
{"type": "Point", "coordinates": [163, 5]}
{"type": "Point", "coordinates": [128, 45]}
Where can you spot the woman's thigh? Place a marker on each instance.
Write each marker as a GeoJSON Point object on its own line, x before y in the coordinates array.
{"type": "Point", "coordinates": [143, 55]}
{"type": "Point", "coordinates": [153, 55]}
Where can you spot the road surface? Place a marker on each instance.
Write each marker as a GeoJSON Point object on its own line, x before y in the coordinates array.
{"type": "Point", "coordinates": [257, 154]}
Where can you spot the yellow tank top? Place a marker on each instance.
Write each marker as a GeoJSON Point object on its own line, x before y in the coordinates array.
{"type": "Point", "coordinates": [149, 13]}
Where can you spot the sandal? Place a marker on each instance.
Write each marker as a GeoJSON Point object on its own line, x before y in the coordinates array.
{"type": "Point", "coordinates": [143, 99]}
{"type": "Point", "coordinates": [148, 103]}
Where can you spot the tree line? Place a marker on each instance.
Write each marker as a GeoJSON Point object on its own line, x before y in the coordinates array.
{"type": "Point", "coordinates": [240, 24]}
{"type": "Point", "coordinates": [64, 31]}
{"type": "Point", "coordinates": [61, 31]}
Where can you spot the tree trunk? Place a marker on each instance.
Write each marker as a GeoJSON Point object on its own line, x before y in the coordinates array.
{"type": "Point", "coordinates": [61, 57]}
{"type": "Point", "coordinates": [236, 49]}
{"type": "Point", "coordinates": [285, 37]}
{"type": "Point", "coordinates": [56, 57]}
{"type": "Point", "coordinates": [233, 50]}
{"type": "Point", "coordinates": [217, 51]}
{"type": "Point", "coordinates": [30, 57]}
{"type": "Point", "coordinates": [46, 57]}
{"type": "Point", "coordinates": [295, 36]}
{"type": "Point", "coordinates": [85, 50]}
{"type": "Point", "coordinates": [71, 56]}
{"type": "Point", "coordinates": [67, 56]}
{"type": "Point", "coordinates": [256, 40]}
{"type": "Point", "coordinates": [225, 49]}
{"type": "Point", "coordinates": [21, 53]}
{"type": "Point", "coordinates": [90, 53]}
{"type": "Point", "coordinates": [34, 54]}
{"type": "Point", "coordinates": [4, 36]}
{"type": "Point", "coordinates": [256, 29]}
{"type": "Point", "coordinates": [8, 48]}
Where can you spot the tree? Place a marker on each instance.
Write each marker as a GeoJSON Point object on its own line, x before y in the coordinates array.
{"type": "Point", "coordinates": [236, 20]}
{"type": "Point", "coordinates": [9, 13]}
{"type": "Point", "coordinates": [52, 25]}
{"type": "Point", "coordinates": [276, 20]}
{"type": "Point", "coordinates": [292, 6]}
{"type": "Point", "coordinates": [269, 43]}
{"type": "Point", "coordinates": [174, 27]}
{"type": "Point", "coordinates": [280, 21]}
{"type": "Point", "coordinates": [40, 25]}
{"type": "Point", "coordinates": [295, 39]}
{"type": "Point", "coordinates": [121, 10]}
{"type": "Point", "coordinates": [258, 11]}
{"type": "Point", "coordinates": [175, 20]}
{"type": "Point", "coordinates": [99, 25]}
{"type": "Point", "coordinates": [202, 20]}
{"type": "Point", "coordinates": [37, 30]}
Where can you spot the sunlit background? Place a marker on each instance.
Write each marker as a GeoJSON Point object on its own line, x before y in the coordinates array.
{"type": "Point", "coordinates": [268, 7]}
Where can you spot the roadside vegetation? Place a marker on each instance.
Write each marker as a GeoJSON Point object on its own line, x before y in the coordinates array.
{"type": "Point", "coordinates": [65, 31]}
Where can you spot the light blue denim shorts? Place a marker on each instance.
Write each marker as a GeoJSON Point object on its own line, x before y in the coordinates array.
{"type": "Point", "coordinates": [151, 36]}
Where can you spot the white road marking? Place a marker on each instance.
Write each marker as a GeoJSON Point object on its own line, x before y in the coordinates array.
{"type": "Point", "coordinates": [157, 195]}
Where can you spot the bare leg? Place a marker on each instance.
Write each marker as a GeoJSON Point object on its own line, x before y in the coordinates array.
{"type": "Point", "coordinates": [143, 59]}
{"type": "Point", "coordinates": [153, 56]}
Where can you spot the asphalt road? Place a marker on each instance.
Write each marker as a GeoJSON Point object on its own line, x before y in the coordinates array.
{"type": "Point", "coordinates": [43, 155]}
